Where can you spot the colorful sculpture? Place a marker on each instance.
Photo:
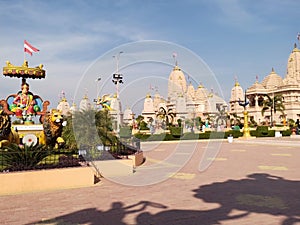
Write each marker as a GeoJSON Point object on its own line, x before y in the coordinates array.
{"type": "Point", "coordinates": [24, 105]}
{"type": "Point", "coordinates": [7, 134]}
{"type": "Point", "coordinates": [53, 125]}
{"type": "Point", "coordinates": [105, 102]}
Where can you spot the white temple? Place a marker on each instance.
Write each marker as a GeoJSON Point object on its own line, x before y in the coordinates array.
{"type": "Point", "coordinates": [85, 103]}
{"type": "Point", "coordinates": [183, 100]}
{"type": "Point", "coordinates": [272, 85]}
{"type": "Point", "coordinates": [187, 102]}
{"type": "Point", "coordinates": [64, 107]}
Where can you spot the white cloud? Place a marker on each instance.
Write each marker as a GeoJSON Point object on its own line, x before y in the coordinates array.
{"type": "Point", "coordinates": [237, 14]}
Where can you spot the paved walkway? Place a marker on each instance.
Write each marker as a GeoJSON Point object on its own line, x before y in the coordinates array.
{"type": "Point", "coordinates": [244, 182]}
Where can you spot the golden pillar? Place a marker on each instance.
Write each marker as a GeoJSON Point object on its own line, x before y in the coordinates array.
{"type": "Point", "coordinates": [246, 131]}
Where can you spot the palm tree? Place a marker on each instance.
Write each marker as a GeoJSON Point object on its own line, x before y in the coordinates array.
{"type": "Point", "coordinates": [236, 120]}
{"type": "Point", "coordinates": [166, 115]}
{"type": "Point", "coordinates": [221, 117]}
{"type": "Point", "coordinates": [104, 127]}
{"type": "Point", "coordinates": [274, 104]}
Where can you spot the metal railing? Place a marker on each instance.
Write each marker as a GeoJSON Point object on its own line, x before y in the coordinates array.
{"type": "Point", "coordinates": [48, 159]}
{"type": "Point", "coordinates": [21, 159]}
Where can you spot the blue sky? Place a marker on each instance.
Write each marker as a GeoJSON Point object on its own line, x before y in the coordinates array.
{"type": "Point", "coordinates": [235, 38]}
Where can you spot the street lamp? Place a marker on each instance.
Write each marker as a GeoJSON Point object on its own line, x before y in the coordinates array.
{"type": "Point", "coordinates": [97, 90]}
{"type": "Point", "coordinates": [117, 77]}
{"type": "Point", "coordinates": [97, 86]}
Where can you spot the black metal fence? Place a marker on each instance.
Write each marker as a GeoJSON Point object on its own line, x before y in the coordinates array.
{"type": "Point", "coordinates": [30, 160]}
{"type": "Point", "coordinates": [108, 152]}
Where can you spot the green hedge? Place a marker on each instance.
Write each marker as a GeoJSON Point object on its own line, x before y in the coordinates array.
{"type": "Point", "coordinates": [189, 136]}
{"type": "Point", "coordinates": [176, 131]}
{"type": "Point", "coordinates": [155, 137]}
{"type": "Point", "coordinates": [260, 132]}
{"type": "Point", "coordinates": [286, 132]}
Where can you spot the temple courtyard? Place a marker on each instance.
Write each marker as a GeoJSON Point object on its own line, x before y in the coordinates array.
{"type": "Point", "coordinates": [254, 181]}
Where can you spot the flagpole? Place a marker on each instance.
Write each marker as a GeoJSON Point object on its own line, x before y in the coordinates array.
{"type": "Point", "coordinates": [24, 53]}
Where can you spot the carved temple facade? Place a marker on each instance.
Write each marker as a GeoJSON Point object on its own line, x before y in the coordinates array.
{"type": "Point", "coordinates": [183, 100]}
{"type": "Point", "coordinates": [272, 85]}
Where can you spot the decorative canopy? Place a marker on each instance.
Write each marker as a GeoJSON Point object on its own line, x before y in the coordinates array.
{"type": "Point", "coordinates": [24, 71]}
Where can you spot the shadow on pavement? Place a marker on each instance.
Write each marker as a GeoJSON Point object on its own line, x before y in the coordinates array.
{"type": "Point", "coordinates": [258, 193]}
{"type": "Point", "coordinates": [92, 216]}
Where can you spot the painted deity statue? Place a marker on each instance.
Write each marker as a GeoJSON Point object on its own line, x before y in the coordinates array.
{"type": "Point", "coordinates": [24, 106]}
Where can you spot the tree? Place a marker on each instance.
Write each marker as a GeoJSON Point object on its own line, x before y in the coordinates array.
{"type": "Point", "coordinates": [236, 120]}
{"type": "Point", "coordinates": [68, 134]}
{"type": "Point", "coordinates": [166, 115]}
{"type": "Point", "coordinates": [91, 127]}
{"type": "Point", "coordinates": [221, 117]}
{"type": "Point", "coordinates": [139, 119]}
{"type": "Point", "coordinates": [198, 121]}
{"type": "Point", "coordinates": [104, 127]}
{"type": "Point", "coordinates": [179, 121]}
{"type": "Point", "coordinates": [273, 104]}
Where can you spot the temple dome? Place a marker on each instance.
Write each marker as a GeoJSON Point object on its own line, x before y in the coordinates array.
{"type": "Point", "coordinates": [128, 114]}
{"type": "Point", "coordinates": [85, 104]}
{"type": "Point", "coordinates": [257, 87]}
{"type": "Point", "coordinates": [190, 92]}
{"type": "Point", "coordinates": [236, 92]}
{"type": "Point", "coordinates": [293, 67]}
{"type": "Point", "coordinates": [64, 106]}
{"type": "Point", "coordinates": [148, 104]}
{"type": "Point", "coordinates": [272, 80]}
{"type": "Point", "coordinates": [73, 108]}
{"type": "Point", "coordinates": [201, 93]}
{"type": "Point", "coordinates": [177, 83]}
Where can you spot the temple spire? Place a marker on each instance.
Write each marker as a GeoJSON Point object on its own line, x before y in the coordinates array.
{"type": "Point", "coordinates": [175, 58]}
{"type": "Point", "coordinates": [236, 83]}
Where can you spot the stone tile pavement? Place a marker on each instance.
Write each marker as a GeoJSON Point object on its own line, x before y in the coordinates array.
{"type": "Point", "coordinates": [246, 182]}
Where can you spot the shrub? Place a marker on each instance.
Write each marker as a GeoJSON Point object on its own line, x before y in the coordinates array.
{"type": "Point", "coordinates": [190, 136]}
{"type": "Point", "coordinates": [170, 137]}
{"type": "Point", "coordinates": [205, 135]}
{"type": "Point", "coordinates": [144, 126]}
{"type": "Point", "coordinates": [176, 131]}
{"type": "Point", "coordinates": [217, 135]}
{"type": "Point", "coordinates": [233, 133]}
{"type": "Point", "coordinates": [262, 131]}
{"type": "Point", "coordinates": [25, 157]}
{"type": "Point", "coordinates": [286, 133]}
